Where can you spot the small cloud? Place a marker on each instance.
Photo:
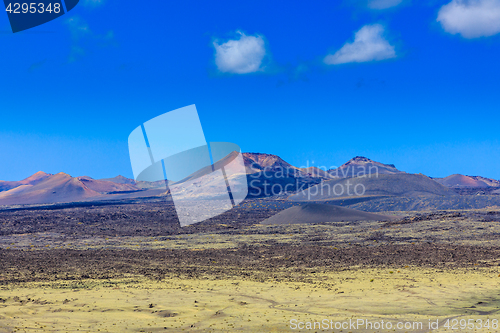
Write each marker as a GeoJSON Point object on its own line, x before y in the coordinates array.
{"type": "Point", "coordinates": [93, 3]}
{"type": "Point", "coordinates": [383, 4]}
{"type": "Point", "coordinates": [78, 27]}
{"type": "Point", "coordinates": [240, 56]}
{"type": "Point", "coordinates": [471, 18]}
{"type": "Point", "coordinates": [369, 45]}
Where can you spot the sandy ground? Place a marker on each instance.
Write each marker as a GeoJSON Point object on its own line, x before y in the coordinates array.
{"type": "Point", "coordinates": [408, 295]}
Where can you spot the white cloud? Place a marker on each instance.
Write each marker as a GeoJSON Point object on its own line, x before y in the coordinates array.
{"type": "Point", "coordinates": [369, 44]}
{"type": "Point", "coordinates": [471, 18]}
{"type": "Point", "coordinates": [240, 56]}
{"type": "Point", "coordinates": [383, 4]}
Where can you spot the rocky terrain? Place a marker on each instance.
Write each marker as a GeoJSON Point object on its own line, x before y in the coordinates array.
{"type": "Point", "coordinates": [119, 267]}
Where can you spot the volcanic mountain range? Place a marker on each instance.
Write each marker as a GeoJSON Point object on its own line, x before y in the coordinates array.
{"type": "Point", "coordinates": [43, 188]}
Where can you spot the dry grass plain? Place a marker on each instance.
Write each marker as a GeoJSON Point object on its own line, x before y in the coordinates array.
{"type": "Point", "coordinates": [408, 294]}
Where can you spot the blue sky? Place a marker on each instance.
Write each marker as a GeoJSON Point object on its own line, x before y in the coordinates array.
{"type": "Point", "coordinates": [405, 82]}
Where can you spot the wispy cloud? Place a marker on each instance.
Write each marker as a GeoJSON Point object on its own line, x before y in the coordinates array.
{"type": "Point", "coordinates": [471, 18]}
{"type": "Point", "coordinates": [240, 56]}
{"type": "Point", "coordinates": [83, 37]}
{"type": "Point", "coordinates": [369, 45]}
{"type": "Point", "coordinates": [383, 4]}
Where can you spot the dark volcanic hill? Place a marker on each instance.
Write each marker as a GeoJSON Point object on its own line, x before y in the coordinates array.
{"type": "Point", "coordinates": [257, 162]}
{"type": "Point", "coordinates": [359, 166]}
{"type": "Point", "coordinates": [400, 184]}
{"type": "Point", "coordinates": [319, 213]}
{"type": "Point", "coordinates": [269, 175]}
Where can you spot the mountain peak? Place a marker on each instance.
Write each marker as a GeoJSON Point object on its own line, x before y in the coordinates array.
{"type": "Point", "coordinates": [261, 161]}
{"type": "Point", "coordinates": [84, 178]}
{"type": "Point", "coordinates": [359, 160]}
{"type": "Point", "coordinates": [41, 173]}
{"type": "Point", "coordinates": [360, 165]}
{"type": "Point", "coordinates": [362, 159]}
{"type": "Point", "coordinates": [62, 174]}
{"type": "Point", "coordinates": [38, 175]}
{"type": "Point", "coordinates": [35, 178]}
